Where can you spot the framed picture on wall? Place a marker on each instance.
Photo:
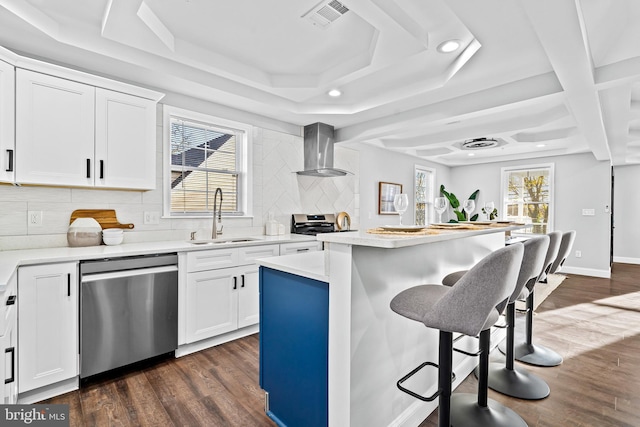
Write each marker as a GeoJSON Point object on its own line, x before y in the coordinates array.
{"type": "Point", "coordinates": [386, 193]}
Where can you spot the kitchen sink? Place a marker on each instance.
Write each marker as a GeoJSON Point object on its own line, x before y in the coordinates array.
{"type": "Point", "coordinates": [220, 241]}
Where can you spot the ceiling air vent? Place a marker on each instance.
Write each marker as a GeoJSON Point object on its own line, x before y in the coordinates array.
{"type": "Point", "coordinates": [325, 12]}
{"type": "Point", "coordinates": [479, 143]}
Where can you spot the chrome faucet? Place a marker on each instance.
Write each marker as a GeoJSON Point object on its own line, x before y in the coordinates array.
{"type": "Point", "coordinates": [214, 230]}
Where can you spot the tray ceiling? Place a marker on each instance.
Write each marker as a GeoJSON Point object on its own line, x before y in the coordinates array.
{"type": "Point", "coordinates": [540, 76]}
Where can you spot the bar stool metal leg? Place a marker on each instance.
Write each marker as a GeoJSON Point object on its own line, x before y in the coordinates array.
{"type": "Point", "coordinates": [534, 354]}
{"type": "Point", "coordinates": [469, 410]}
{"type": "Point", "coordinates": [512, 381]}
{"type": "Point", "coordinates": [444, 378]}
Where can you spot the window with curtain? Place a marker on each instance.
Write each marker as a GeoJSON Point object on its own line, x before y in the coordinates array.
{"type": "Point", "coordinates": [203, 157]}
{"type": "Point", "coordinates": [528, 195]}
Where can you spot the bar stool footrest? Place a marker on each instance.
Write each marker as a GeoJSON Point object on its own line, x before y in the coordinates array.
{"type": "Point", "coordinates": [466, 353]}
{"type": "Point", "coordinates": [415, 371]}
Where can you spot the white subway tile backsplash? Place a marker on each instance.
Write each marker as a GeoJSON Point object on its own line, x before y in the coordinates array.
{"type": "Point", "coordinates": [276, 188]}
{"type": "Point", "coordinates": [14, 218]}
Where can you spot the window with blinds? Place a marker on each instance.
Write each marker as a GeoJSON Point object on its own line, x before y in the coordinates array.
{"type": "Point", "coordinates": [203, 158]}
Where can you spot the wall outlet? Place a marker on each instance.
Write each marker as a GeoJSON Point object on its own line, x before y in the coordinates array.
{"type": "Point", "coordinates": [152, 218]}
{"type": "Point", "coordinates": [34, 218]}
{"type": "Point", "coordinates": [578, 254]}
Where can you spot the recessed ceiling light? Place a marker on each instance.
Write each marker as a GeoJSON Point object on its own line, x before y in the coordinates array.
{"type": "Point", "coordinates": [334, 92]}
{"type": "Point", "coordinates": [448, 46]}
{"type": "Point", "coordinates": [471, 154]}
{"type": "Point", "coordinates": [541, 145]}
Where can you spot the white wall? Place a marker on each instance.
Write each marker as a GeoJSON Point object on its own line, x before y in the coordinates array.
{"type": "Point", "coordinates": [580, 182]}
{"type": "Point", "coordinates": [377, 165]}
{"type": "Point", "coordinates": [626, 212]}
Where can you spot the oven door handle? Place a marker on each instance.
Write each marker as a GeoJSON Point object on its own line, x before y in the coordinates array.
{"type": "Point", "coordinates": [127, 273]}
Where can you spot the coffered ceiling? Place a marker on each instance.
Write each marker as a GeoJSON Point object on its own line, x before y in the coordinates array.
{"type": "Point", "coordinates": [541, 77]}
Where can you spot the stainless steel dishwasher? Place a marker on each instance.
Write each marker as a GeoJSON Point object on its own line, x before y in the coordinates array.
{"type": "Point", "coordinates": [128, 310]}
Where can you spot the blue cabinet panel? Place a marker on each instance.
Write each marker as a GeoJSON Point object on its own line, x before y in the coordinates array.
{"type": "Point", "coordinates": [294, 332]}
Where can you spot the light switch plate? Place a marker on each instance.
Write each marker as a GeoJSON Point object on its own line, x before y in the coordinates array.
{"type": "Point", "coordinates": [588, 212]}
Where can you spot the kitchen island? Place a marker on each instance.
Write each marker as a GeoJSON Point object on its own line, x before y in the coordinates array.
{"type": "Point", "coordinates": [368, 347]}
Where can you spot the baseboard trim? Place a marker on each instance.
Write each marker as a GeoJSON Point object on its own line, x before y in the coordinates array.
{"type": "Point", "coordinates": [186, 349]}
{"type": "Point", "coordinates": [605, 274]}
{"type": "Point", "coordinates": [626, 260]}
{"type": "Point", "coordinates": [49, 391]}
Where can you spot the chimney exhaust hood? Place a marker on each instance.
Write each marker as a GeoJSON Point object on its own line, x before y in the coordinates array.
{"type": "Point", "coordinates": [318, 151]}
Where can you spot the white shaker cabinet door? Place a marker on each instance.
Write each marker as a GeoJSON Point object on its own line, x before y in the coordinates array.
{"type": "Point", "coordinates": [54, 130]}
{"type": "Point", "coordinates": [248, 296]}
{"type": "Point", "coordinates": [47, 324]}
{"type": "Point", "coordinates": [212, 303]}
{"type": "Point", "coordinates": [125, 141]}
{"type": "Point", "coordinates": [7, 122]}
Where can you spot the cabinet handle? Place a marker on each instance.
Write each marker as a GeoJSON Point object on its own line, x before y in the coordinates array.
{"type": "Point", "coordinates": [11, 300]}
{"type": "Point", "coordinates": [10, 168]}
{"type": "Point", "coordinates": [303, 250]}
{"type": "Point", "coordinates": [11, 350]}
{"type": "Point", "coordinates": [235, 282]}
{"type": "Point", "coordinates": [68, 284]}
{"type": "Point", "coordinates": [88, 168]}
{"type": "Point", "coordinates": [242, 276]}
{"type": "Point", "coordinates": [101, 169]}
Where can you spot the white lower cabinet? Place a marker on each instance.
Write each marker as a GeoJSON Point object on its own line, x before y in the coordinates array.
{"type": "Point", "coordinates": [9, 345]}
{"type": "Point", "coordinates": [48, 324]}
{"type": "Point", "coordinates": [212, 303]}
{"type": "Point", "coordinates": [222, 290]}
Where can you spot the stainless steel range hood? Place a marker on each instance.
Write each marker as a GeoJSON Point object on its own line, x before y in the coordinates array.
{"type": "Point", "coordinates": [318, 151]}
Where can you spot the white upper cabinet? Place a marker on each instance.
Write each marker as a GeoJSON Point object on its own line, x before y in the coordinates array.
{"type": "Point", "coordinates": [74, 129]}
{"type": "Point", "coordinates": [54, 130]}
{"type": "Point", "coordinates": [125, 141]}
{"type": "Point", "coordinates": [7, 118]}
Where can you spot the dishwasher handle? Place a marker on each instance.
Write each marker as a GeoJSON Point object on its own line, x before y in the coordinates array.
{"type": "Point", "coordinates": [127, 273]}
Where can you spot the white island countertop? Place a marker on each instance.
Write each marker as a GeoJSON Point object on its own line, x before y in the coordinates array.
{"type": "Point", "coordinates": [308, 264]}
{"type": "Point", "coordinates": [390, 241]}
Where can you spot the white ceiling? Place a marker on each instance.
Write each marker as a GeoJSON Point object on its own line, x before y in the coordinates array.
{"type": "Point", "coordinates": [543, 77]}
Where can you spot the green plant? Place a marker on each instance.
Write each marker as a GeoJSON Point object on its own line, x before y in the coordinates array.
{"type": "Point", "coordinates": [455, 204]}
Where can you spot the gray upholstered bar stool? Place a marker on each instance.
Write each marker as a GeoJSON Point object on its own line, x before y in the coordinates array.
{"type": "Point", "coordinates": [468, 308]}
{"type": "Point", "coordinates": [505, 377]}
{"type": "Point", "coordinates": [566, 244]}
{"type": "Point", "coordinates": [526, 351]}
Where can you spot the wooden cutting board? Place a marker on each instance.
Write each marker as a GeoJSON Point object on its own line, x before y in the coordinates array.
{"type": "Point", "coordinates": [105, 217]}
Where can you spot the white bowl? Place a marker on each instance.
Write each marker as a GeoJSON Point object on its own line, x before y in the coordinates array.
{"type": "Point", "coordinates": [112, 240]}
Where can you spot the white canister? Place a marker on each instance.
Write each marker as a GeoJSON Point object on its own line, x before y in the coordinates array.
{"type": "Point", "coordinates": [84, 232]}
{"type": "Point", "coordinates": [271, 226]}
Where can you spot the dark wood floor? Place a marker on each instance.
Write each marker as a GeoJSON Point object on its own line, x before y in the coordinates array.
{"type": "Point", "coordinates": [594, 323]}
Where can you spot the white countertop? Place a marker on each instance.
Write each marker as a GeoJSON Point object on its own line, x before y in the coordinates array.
{"type": "Point", "coordinates": [10, 260]}
{"type": "Point", "coordinates": [362, 238]}
{"type": "Point", "coordinates": [308, 264]}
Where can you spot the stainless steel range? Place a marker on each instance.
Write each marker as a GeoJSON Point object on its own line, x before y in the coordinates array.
{"type": "Point", "coordinates": [312, 224]}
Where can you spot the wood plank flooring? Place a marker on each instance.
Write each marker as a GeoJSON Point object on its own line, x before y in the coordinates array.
{"type": "Point", "coordinates": [594, 323]}
{"type": "Point", "coordinates": [214, 387]}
